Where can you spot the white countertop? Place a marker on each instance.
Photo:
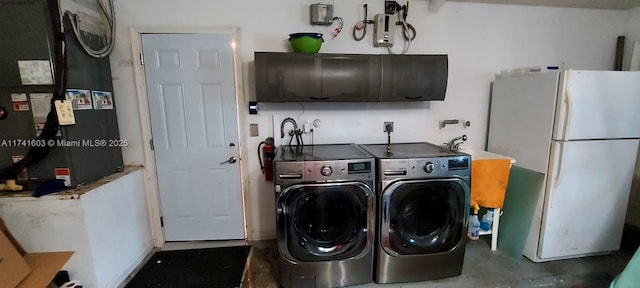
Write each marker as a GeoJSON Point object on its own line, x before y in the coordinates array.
{"type": "Point", "coordinates": [477, 154]}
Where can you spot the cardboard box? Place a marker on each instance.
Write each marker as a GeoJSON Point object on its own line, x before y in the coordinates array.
{"type": "Point", "coordinates": [15, 243]}
{"type": "Point", "coordinates": [13, 268]}
{"type": "Point", "coordinates": [44, 266]}
{"type": "Point", "coordinates": [34, 270]}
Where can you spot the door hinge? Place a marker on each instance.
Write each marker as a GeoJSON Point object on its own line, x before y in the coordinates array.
{"type": "Point", "coordinates": [151, 144]}
{"type": "Point", "coordinates": [161, 221]}
{"type": "Point", "coordinates": [141, 59]}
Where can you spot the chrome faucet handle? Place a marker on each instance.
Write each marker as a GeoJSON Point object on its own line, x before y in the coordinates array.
{"type": "Point", "coordinates": [455, 146]}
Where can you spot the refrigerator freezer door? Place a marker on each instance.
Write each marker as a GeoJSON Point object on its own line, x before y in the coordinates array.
{"type": "Point", "coordinates": [586, 197]}
{"type": "Point", "coordinates": [598, 105]}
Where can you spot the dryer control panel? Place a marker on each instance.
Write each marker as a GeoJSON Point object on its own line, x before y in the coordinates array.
{"type": "Point", "coordinates": [436, 167]}
{"type": "Point", "coordinates": [339, 170]}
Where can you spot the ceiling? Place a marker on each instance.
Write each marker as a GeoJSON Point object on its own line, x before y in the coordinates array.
{"type": "Point", "coordinates": [597, 4]}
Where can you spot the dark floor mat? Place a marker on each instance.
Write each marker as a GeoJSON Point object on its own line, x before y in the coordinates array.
{"type": "Point", "coordinates": [215, 267]}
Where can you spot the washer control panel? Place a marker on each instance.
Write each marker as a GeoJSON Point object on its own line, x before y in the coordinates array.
{"type": "Point", "coordinates": [326, 170]}
{"type": "Point", "coordinates": [320, 171]}
{"type": "Point", "coordinates": [428, 167]}
{"type": "Point", "coordinates": [339, 170]}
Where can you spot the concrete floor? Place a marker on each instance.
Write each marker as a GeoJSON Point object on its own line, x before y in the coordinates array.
{"type": "Point", "coordinates": [482, 268]}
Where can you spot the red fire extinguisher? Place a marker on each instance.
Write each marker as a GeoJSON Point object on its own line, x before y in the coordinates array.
{"type": "Point", "coordinates": [267, 153]}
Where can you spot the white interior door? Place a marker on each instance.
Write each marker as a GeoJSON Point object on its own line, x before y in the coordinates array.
{"type": "Point", "coordinates": [192, 102]}
{"type": "Point", "coordinates": [586, 197]}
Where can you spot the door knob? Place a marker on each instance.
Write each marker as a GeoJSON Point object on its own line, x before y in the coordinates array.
{"type": "Point", "coordinates": [231, 160]}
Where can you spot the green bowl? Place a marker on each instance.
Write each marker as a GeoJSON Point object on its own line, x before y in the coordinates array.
{"type": "Point", "coordinates": [306, 42]}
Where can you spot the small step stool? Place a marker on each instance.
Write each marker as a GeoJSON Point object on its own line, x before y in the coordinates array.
{"type": "Point", "coordinates": [494, 229]}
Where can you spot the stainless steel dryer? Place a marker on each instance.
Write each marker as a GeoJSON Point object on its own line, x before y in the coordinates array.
{"type": "Point", "coordinates": [423, 207]}
{"type": "Point", "coordinates": [325, 197]}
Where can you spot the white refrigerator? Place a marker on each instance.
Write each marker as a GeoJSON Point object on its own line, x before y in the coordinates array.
{"type": "Point", "coordinates": [581, 129]}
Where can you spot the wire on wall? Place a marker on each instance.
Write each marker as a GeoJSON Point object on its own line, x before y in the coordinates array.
{"type": "Point", "coordinates": [408, 31]}
{"type": "Point", "coordinates": [361, 26]}
{"type": "Point", "coordinates": [110, 16]}
{"type": "Point", "coordinates": [337, 31]}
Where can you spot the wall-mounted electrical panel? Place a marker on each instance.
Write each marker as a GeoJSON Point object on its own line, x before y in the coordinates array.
{"type": "Point", "coordinates": [383, 29]}
{"type": "Point", "coordinates": [321, 14]}
{"type": "Point", "coordinates": [83, 152]}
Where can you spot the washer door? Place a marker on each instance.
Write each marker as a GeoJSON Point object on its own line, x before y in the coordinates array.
{"type": "Point", "coordinates": [424, 216]}
{"type": "Point", "coordinates": [324, 222]}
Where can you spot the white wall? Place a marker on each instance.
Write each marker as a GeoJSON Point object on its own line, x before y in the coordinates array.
{"type": "Point", "coordinates": [632, 34]}
{"type": "Point", "coordinates": [480, 40]}
{"type": "Point", "coordinates": [118, 228]}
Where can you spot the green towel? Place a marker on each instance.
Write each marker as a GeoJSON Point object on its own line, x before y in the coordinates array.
{"type": "Point", "coordinates": [630, 276]}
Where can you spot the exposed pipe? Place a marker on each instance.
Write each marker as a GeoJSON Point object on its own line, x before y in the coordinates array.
{"type": "Point", "coordinates": [288, 119]}
{"type": "Point", "coordinates": [296, 132]}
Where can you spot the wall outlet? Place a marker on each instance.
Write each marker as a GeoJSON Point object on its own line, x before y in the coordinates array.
{"type": "Point", "coordinates": [388, 127]}
{"type": "Point", "coordinates": [253, 130]}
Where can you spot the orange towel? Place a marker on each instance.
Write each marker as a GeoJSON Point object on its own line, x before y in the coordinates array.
{"type": "Point", "coordinates": [489, 180]}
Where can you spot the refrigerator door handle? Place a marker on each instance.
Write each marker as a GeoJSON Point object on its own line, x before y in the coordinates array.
{"type": "Point", "coordinates": [567, 115]}
{"type": "Point", "coordinates": [557, 167]}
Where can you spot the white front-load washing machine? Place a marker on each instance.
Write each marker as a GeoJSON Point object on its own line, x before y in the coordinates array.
{"type": "Point", "coordinates": [423, 207]}
{"type": "Point", "coordinates": [325, 217]}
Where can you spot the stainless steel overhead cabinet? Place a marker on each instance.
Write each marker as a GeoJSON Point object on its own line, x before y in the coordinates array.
{"type": "Point", "coordinates": [294, 77]}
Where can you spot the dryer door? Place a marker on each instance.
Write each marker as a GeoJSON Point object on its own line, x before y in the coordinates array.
{"type": "Point", "coordinates": [324, 222]}
{"type": "Point", "coordinates": [424, 216]}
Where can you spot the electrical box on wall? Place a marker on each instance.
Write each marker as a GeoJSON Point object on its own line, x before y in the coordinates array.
{"type": "Point", "coordinates": [321, 14]}
{"type": "Point", "coordinates": [383, 28]}
{"type": "Point", "coordinates": [390, 7]}
{"type": "Point", "coordinates": [83, 152]}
